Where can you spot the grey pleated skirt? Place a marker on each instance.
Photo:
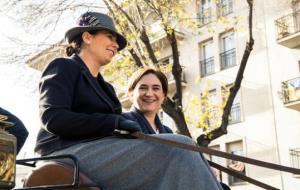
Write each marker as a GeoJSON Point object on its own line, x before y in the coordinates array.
{"type": "Point", "coordinates": [118, 163]}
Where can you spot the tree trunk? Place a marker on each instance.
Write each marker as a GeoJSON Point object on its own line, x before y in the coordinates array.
{"type": "Point", "coordinates": [177, 115]}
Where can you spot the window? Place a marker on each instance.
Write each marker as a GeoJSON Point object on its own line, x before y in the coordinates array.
{"type": "Point", "coordinates": [295, 157]}
{"type": "Point", "coordinates": [207, 63]}
{"type": "Point", "coordinates": [227, 54]}
{"type": "Point", "coordinates": [225, 7]}
{"type": "Point", "coordinates": [296, 15]}
{"type": "Point", "coordinates": [205, 12]}
{"type": "Point", "coordinates": [235, 148]}
{"type": "Point", "coordinates": [235, 113]}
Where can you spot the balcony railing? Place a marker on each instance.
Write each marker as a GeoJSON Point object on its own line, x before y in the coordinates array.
{"type": "Point", "coordinates": [205, 16]}
{"type": "Point", "coordinates": [227, 59]}
{"type": "Point", "coordinates": [287, 28]}
{"type": "Point", "coordinates": [291, 93]}
{"type": "Point", "coordinates": [207, 66]}
{"type": "Point", "coordinates": [225, 7]}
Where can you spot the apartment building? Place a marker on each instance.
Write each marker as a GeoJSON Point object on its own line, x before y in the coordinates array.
{"type": "Point", "coordinates": [265, 115]}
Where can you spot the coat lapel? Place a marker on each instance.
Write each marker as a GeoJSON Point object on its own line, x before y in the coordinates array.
{"type": "Point", "coordinates": [99, 91]}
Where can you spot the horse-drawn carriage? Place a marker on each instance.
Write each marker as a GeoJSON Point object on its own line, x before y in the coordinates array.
{"type": "Point", "coordinates": [47, 172]}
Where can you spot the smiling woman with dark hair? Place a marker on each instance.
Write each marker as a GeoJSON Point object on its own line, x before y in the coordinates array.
{"type": "Point", "coordinates": [147, 90]}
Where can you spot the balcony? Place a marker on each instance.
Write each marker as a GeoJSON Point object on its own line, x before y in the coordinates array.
{"type": "Point", "coordinates": [291, 93]}
{"type": "Point", "coordinates": [207, 66]}
{"type": "Point", "coordinates": [227, 59]}
{"type": "Point", "coordinates": [288, 30]}
{"type": "Point", "coordinates": [205, 16]}
{"type": "Point", "coordinates": [158, 36]}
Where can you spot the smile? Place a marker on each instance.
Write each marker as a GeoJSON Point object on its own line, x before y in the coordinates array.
{"type": "Point", "coordinates": [113, 52]}
{"type": "Point", "coordinates": [149, 100]}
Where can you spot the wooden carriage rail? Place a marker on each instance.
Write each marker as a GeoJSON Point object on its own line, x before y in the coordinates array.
{"type": "Point", "coordinates": [216, 153]}
{"type": "Point", "coordinates": [241, 176]}
{"type": "Point", "coordinates": [220, 154]}
{"type": "Point", "coordinates": [75, 184]}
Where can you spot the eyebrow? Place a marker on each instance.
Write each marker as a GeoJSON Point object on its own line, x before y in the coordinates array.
{"type": "Point", "coordinates": [155, 85]}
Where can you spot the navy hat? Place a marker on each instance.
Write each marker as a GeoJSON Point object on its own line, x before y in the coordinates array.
{"type": "Point", "coordinates": [90, 21]}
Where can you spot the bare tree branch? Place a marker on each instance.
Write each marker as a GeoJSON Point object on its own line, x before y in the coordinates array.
{"type": "Point", "coordinates": [132, 52]}
{"type": "Point", "coordinates": [169, 107]}
{"type": "Point", "coordinates": [205, 139]}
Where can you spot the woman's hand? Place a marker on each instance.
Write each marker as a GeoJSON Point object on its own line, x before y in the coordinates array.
{"type": "Point", "coordinates": [129, 126]}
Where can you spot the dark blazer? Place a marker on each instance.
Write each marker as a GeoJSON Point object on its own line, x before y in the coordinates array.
{"type": "Point", "coordinates": [138, 116]}
{"type": "Point", "coordinates": [74, 106]}
{"type": "Point", "coordinates": [18, 130]}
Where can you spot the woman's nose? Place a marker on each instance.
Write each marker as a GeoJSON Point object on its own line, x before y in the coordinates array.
{"type": "Point", "coordinates": [149, 92]}
{"type": "Point", "coordinates": [115, 45]}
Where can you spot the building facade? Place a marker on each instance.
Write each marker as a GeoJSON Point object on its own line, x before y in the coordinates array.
{"type": "Point", "coordinates": [265, 115]}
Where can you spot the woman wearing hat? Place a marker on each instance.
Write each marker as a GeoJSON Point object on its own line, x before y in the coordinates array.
{"type": "Point", "coordinates": [79, 111]}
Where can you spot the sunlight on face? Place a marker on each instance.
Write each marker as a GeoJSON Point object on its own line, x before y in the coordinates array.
{"type": "Point", "coordinates": [148, 95]}
{"type": "Point", "coordinates": [102, 46]}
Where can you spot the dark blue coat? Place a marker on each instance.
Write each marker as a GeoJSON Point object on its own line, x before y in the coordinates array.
{"type": "Point", "coordinates": [18, 130]}
{"type": "Point", "coordinates": [74, 106]}
{"type": "Point", "coordinates": [138, 116]}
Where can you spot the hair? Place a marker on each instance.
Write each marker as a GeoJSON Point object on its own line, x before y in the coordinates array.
{"type": "Point", "coordinates": [75, 46]}
{"type": "Point", "coordinates": [136, 77]}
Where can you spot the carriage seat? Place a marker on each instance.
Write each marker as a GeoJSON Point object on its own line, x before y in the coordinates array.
{"type": "Point", "coordinates": [56, 173]}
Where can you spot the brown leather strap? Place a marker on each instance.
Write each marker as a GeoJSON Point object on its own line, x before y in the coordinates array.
{"type": "Point", "coordinates": [241, 176]}
{"type": "Point", "coordinates": [216, 153]}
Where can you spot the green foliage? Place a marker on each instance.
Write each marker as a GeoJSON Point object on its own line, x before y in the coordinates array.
{"type": "Point", "coordinates": [118, 72]}
{"type": "Point", "coordinates": [204, 111]}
